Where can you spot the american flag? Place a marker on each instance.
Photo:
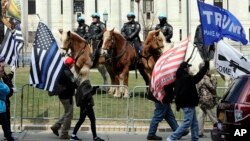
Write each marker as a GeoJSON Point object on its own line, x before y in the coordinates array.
{"type": "Point", "coordinates": [165, 68]}
{"type": "Point", "coordinates": [11, 46]}
{"type": "Point", "coordinates": [46, 60]}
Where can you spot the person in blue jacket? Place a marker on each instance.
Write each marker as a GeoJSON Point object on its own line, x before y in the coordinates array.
{"type": "Point", "coordinates": [4, 91]}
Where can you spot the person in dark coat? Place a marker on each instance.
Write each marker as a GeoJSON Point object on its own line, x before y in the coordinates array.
{"type": "Point", "coordinates": [130, 32]}
{"type": "Point", "coordinates": [163, 111]}
{"type": "Point", "coordinates": [67, 85]}
{"type": "Point", "coordinates": [187, 99]}
{"type": "Point", "coordinates": [85, 93]}
{"type": "Point", "coordinates": [4, 92]}
{"type": "Point", "coordinates": [82, 28]}
{"type": "Point", "coordinates": [165, 27]}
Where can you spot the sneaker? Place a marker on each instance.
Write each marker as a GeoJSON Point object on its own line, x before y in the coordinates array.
{"type": "Point", "coordinates": [202, 136]}
{"type": "Point", "coordinates": [55, 131]}
{"type": "Point", "coordinates": [75, 138]}
{"type": "Point", "coordinates": [98, 139]}
{"type": "Point", "coordinates": [154, 137]}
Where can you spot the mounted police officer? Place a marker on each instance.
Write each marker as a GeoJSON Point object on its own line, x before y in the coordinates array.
{"type": "Point", "coordinates": [130, 31]}
{"type": "Point", "coordinates": [95, 33]}
{"type": "Point", "coordinates": [165, 27]}
{"type": "Point", "coordinates": [82, 28]}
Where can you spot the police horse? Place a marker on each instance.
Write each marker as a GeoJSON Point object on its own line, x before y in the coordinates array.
{"type": "Point", "coordinates": [82, 52]}
{"type": "Point", "coordinates": [120, 58]}
{"type": "Point", "coordinates": [154, 45]}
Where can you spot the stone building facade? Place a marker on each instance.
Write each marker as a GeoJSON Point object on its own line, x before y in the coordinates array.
{"type": "Point", "coordinates": [182, 14]}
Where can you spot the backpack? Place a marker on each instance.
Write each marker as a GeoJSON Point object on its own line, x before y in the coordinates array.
{"type": "Point", "coordinates": [83, 93]}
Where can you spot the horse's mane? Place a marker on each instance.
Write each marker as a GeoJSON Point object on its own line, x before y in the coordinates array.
{"type": "Point", "coordinates": [151, 34]}
{"type": "Point", "coordinates": [77, 37]}
{"type": "Point", "coordinates": [118, 35]}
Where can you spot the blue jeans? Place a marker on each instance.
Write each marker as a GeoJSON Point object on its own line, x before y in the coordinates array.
{"type": "Point", "coordinates": [162, 111]}
{"type": "Point", "coordinates": [190, 120]}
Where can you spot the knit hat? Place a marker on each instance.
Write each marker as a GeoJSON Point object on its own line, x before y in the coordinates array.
{"type": "Point", "coordinates": [185, 65]}
{"type": "Point", "coordinates": [69, 61]}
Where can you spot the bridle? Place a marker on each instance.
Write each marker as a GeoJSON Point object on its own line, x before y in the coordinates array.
{"type": "Point", "coordinates": [111, 48]}
{"type": "Point", "coordinates": [70, 46]}
{"type": "Point", "coordinates": [159, 47]}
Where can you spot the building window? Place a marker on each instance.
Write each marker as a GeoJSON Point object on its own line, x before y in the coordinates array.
{"type": "Point", "coordinates": [218, 3]}
{"type": "Point", "coordinates": [132, 5]}
{"type": "Point", "coordinates": [31, 7]}
{"type": "Point", "coordinates": [61, 6]}
{"type": "Point", "coordinates": [148, 6]}
{"type": "Point", "coordinates": [78, 6]}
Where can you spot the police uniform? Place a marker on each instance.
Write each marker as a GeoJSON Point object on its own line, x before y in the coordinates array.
{"type": "Point", "coordinates": [165, 28]}
{"type": "Point", "coordinates": [82, 28]}
{"type": "Point", "coordinates": [95, 34]}
{"type": "Point", "coordinates": [130, 31]}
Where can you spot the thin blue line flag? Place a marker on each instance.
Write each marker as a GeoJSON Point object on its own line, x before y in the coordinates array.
{"type": "Point", "coordinates": [218, 23]}
{"type": "Point", "coordinates": [46, 60]}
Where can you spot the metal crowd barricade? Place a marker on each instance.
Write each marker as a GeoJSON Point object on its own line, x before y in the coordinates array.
{"type": "Point", "coordinates": [126, 113]}
{"type": "Point", "coordinates": [36, 105]}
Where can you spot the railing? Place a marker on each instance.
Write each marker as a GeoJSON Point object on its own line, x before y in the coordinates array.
{"type": "Point", "coordinates": [35, 106]}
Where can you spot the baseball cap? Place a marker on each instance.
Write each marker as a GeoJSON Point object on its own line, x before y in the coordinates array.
{"type": "Point", "coordinates": [185, 65]}
{"type": "Point", "coordinates": [69, 61]}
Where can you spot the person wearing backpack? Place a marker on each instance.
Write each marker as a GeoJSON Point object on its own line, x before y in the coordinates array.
{"type": "Point", "coordinates": [66, 89]}
{"type": "Point", "coordinates": [84, 100]}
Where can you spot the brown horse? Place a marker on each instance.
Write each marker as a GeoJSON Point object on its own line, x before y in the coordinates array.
{"type": "Point", "coordinates": [121, 57]}
{"type": "Point", "coordinates": [154, 45]}
{"type": "Point", "coordinates": [81, 51]}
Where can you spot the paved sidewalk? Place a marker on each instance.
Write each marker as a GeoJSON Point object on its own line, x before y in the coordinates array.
{"type": "Point", "coordinates": [47, 135]}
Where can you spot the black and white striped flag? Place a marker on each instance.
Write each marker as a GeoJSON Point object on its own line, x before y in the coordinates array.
{"type": "Point", "coordinates": [46, 60]}
{"type": "Point", "coordinates": [11, 46]}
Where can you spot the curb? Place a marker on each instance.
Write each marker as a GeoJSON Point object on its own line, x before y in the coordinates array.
{"type": "Point", "coordinates": [104, 128]}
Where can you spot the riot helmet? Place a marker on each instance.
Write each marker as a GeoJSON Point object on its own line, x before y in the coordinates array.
{"type": "Point", "coordinates": [162, 18]}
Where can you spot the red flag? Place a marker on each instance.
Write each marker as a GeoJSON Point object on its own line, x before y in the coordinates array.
{"type": "Point", "coordinates": [165, 68]}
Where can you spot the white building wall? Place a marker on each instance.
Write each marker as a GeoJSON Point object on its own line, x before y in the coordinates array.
{"type": "Point", "coordinates": [50, 13]}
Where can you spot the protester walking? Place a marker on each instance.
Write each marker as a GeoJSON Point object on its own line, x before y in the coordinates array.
{"type": "Point", "coordinates": [187, 99]}
{"type": "Point", "coordinates": [4, 92]}
{"type": "Point", "coordinates": [66, 90]}
{"type": "Point", "coordinates": [7, 79]}
{"type": "Point", "coordinates": [85, 101]}
{"type": "Point", "coordinates": [163, 111]}
{"type": "Point", "coordinates": [207, 100]}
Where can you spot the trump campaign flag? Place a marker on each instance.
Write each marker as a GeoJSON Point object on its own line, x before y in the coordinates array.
{"type": "Point", "coordinates": [46, 60]}
{"type": "Point", "coordinates": [165, 68]}
{"type": "Point", "coordinates": [218, 23]}
{"type": "Point", "coordinates": [229, 61]}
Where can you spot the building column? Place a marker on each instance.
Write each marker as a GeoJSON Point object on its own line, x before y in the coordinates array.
{"type": "Point", "coordinates": [24, 19]}
{"type": "Point", "coordinates": [68, 15]}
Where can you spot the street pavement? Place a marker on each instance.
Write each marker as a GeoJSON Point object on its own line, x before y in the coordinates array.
{"type": "Point", "coordinates": [47, 135]}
